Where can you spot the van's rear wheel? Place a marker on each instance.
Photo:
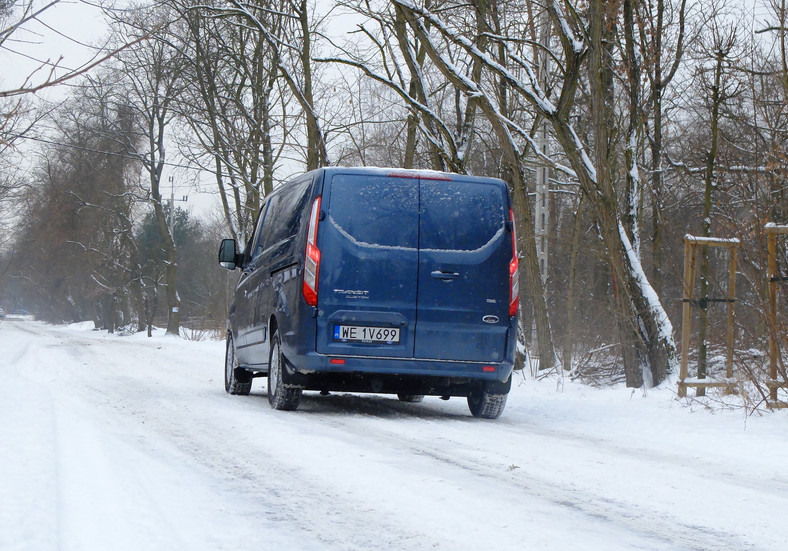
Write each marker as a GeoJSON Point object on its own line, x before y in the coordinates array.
{"type": "Point", "coordinates": [236, 379]}
{"type": "Point", "coordinates": [412, 398]}
{"type": "Point", "coordinates": [485, 404]}
{"type": "Point", "coordinates": [280, 396]}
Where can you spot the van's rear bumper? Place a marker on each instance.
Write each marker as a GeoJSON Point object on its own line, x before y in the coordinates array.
{"type": "Point", "coordinates": [396, 375]}
{"type": "Point", "coordinates": [314, 363]}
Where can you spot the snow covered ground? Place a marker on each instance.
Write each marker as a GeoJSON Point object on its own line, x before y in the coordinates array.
{"type": "Point", "coordinates": [130, 443]}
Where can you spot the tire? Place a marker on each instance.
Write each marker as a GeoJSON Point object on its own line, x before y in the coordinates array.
{"type": "Point", "coordinates": [412, 398]}
{"type": "Point", "coordinates": [485, 404]}
{"type": "Point", "coordinates": [236, 379]}
{"type": "Point", "coordinates": [280, 396]}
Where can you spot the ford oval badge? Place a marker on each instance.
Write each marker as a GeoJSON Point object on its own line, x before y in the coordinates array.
{"type": "Point", "coordinates": [490, 319]}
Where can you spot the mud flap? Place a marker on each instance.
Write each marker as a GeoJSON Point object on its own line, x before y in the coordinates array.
{"type": "Point", "coordinates": [498, 387]}
{"type": "Point", "coordinates": [292, 378]}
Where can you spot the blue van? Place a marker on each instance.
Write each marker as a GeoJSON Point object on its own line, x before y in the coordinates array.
{"type": "Point", "coordinates": [377, 280]}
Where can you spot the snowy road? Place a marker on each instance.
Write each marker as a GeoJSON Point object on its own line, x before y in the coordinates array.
{"type": "Point", "coordinates": [129, 443]}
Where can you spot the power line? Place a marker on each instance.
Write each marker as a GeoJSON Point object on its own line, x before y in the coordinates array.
{"type": "Point", "coordinates": [100, 152]}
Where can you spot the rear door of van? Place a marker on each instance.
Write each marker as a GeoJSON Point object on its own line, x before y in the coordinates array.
{"type": "Point", "coordinates": [465, 248]}
{"type": "Point", "coordinates": [414, 267]}
{"type": "Point", "coordinates": [369, 266]}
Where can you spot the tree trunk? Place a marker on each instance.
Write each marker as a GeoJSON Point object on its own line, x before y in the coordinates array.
{"type": "Point", "coordinates": [168, 245]}
{"type": "Point", "coordinates": [171, 274]}
{"type": "Point", "coordinates": [648, 330]}
{"type": "Point", "coordinates": [656, 153]}
{"type": "Point", "coordinates": [416, 91]}
{"type": "Point", "coordinates": [109, 313]}
{"type": "Point", "coordinates": [659, 83]}
{"type": "Point", "coordinates": [600, 76]}
{"type": "Point", "coordinates": [708, 186]}
{"type": "Point", "coordinates": [633, 193]}
{"type": "Point", "coordinates": [569, 337]}
{"type": "Point", "coordinates": [316, 155]}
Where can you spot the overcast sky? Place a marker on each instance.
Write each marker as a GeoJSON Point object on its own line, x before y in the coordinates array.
{"type": "Point", "coordinates": [69, 29]}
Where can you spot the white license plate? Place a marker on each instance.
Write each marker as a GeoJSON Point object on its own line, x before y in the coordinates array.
{"type": "Point", "coordinates": [361, 333]}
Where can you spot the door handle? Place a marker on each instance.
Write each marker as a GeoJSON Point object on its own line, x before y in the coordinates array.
{"type": "Point", "coordinates": [444, 276]}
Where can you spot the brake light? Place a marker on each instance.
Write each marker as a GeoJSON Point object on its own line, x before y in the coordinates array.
{"type": "Point", "coordinates": [420, 175]}
{"type": "Point", "coordinates": [514, 272]}
{"type": "Point", "coordinates": [312, 256]}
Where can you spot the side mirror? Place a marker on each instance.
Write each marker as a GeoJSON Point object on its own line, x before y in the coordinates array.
{"type": "Point", "coordinates": [228, 254]}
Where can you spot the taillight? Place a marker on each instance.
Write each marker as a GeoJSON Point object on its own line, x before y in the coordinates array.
{"type": "Point", "coordinates": [514, 272]}
{"type": "Point", "coordinates": [312, 256]}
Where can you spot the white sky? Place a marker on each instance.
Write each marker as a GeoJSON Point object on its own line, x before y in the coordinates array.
{"type": "Point", "coordinates": [67, 29]}
{"type": "Point", "coordinates": [74, 29]}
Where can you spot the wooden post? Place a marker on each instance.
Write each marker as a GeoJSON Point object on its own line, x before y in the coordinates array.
{"type": "Point", "coordinates": [686, 316]}
{"type": "Point", "coordinates": [692, 248]}
{"type": "Point", "coordinates": [774, 278]}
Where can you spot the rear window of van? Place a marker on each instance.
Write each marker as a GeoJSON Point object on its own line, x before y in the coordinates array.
{"type": "Point", "coordinates": [460, 216]}
{"type": "Point", "coordinates": [376, 210]}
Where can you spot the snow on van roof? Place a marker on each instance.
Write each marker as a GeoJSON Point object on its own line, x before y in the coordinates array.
{"type": "Point", "coordinates": [410, 173]}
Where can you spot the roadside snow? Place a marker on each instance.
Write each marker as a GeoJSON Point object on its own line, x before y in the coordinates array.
{"type": "Point", "coordinates": [130, 443]}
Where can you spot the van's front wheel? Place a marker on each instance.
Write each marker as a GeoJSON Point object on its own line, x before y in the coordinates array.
{"type": "Point", "coordinates": [280, 396]}
{"type": "Point", "coordinates": [485, 403]}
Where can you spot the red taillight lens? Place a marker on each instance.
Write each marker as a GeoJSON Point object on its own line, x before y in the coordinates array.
{"type": "Point", "coordinates": [312, 256]}
{"type": "Point", "coordinates": [514, 272]}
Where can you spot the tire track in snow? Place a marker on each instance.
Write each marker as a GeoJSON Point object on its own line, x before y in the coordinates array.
{"type": "Point", "coordinates": [92, 502]}
{"type": "Point", "coordinates": [650, 524]}
{"type": "Point", "coordinates": [29, 518]}
{"type": "Point", "coordinates": [278, 492]}
{"type": "Point", "coordinates": [385, 408]}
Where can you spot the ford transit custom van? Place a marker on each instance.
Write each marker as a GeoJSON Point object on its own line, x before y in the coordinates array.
{"type": "Point", "coordinates": [377, 280]}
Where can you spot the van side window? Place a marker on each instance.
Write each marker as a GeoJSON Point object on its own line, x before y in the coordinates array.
{"type": "Point", "coordinates": [253, 246]}
{"type": "Point", "coordinates": [376, 210]}
{"type": "Point", "coordinates": [459, 216]}
{"type": "Point", "coordinates": [283, 216]}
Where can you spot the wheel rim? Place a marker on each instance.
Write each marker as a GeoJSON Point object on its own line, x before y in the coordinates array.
{"type": "Point", "coordinates": [274, 372]}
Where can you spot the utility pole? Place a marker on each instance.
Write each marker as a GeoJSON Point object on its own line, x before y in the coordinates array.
{"type": "Point", "coordinates": [542, 210]}
{"type": "Point", "coordinates": [542, 218]}
{"type": "Point", "coordinates": [172, 206]}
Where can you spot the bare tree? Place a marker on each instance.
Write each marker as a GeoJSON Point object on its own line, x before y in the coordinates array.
{"type": "Point", "coordinates": [234, 104]}
{"type": "Point", "coordinates": [658, 22]}
{"type": "Point", "coordinates": [292, 54]}
{"type": "Point", "coordinates": [151, 73]}
{"type": "Point", "coordinates": [77, 222]}
{"type": "Point", "coordinates": [643, 317]}
{"type": "Point", "coordinates": [718, 54]}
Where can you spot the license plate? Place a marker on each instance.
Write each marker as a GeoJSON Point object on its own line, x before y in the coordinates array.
{"type": "Point", "coordinates": [361, 333]}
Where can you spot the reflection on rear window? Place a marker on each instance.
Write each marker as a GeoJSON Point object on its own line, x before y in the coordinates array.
{"type": "Point", "coordinates": [376, 210]}
{"type": "Point", "coordinates": [460, 216]}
